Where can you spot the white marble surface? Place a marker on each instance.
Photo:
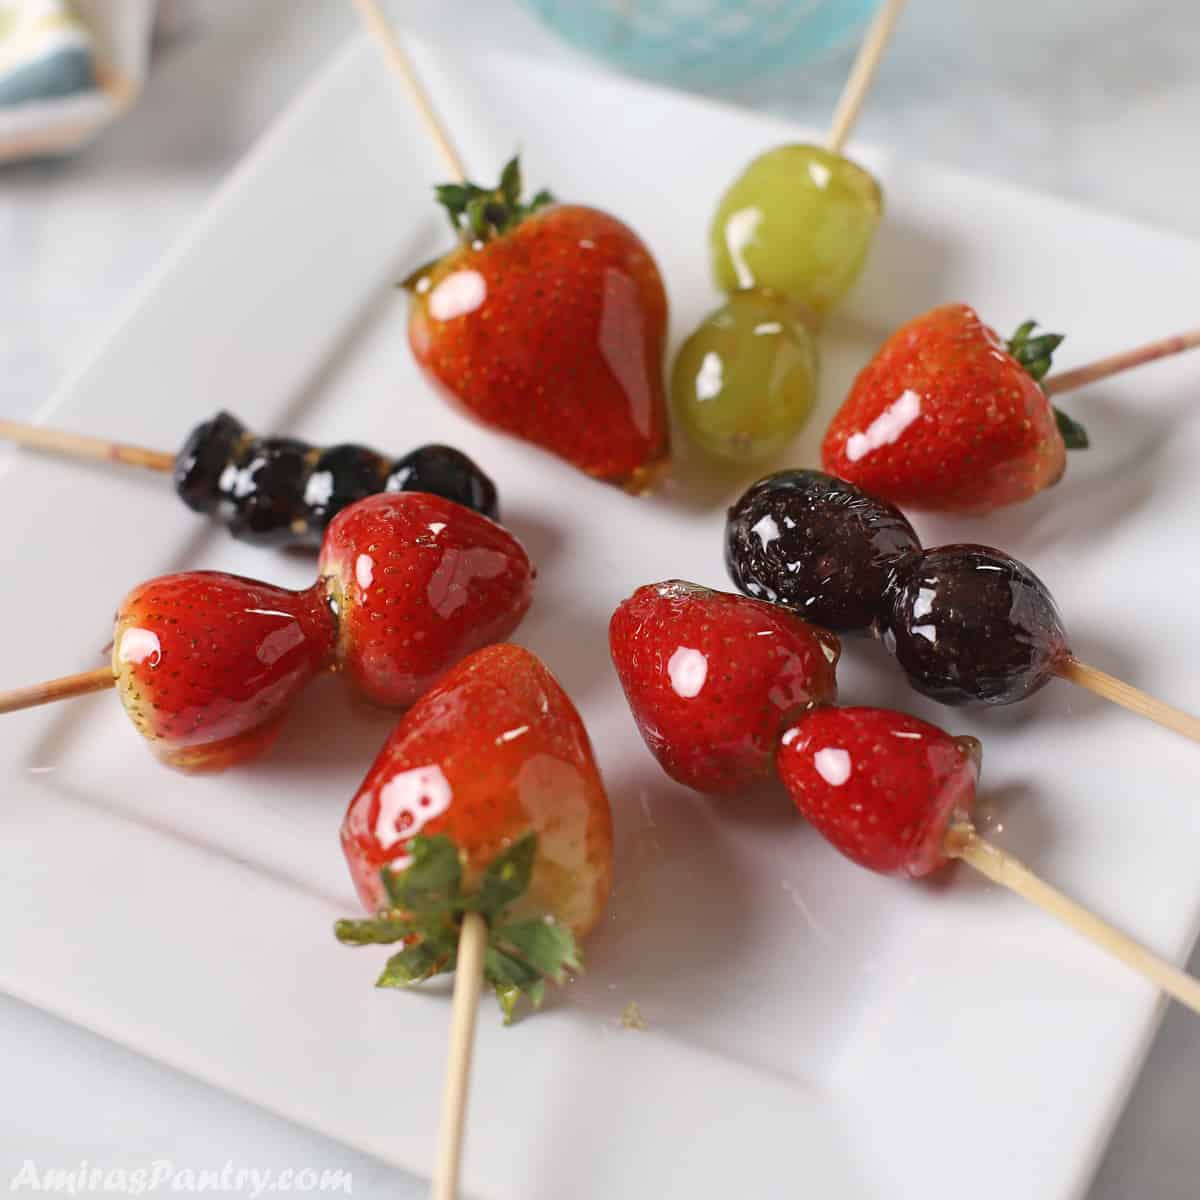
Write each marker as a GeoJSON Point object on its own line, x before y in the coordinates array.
{"type": "Point", "coordinates": [1097, 101]}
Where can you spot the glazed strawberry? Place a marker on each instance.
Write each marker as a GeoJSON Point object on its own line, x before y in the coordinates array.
{"type": "Point", "coordinates": [946, 416]}
{"type": "Point", "coordinates": [490, 776]}
{"type": "Point", "coordinates": [548, 321]}
{"type": "Point", "coordinates": [206, 664]}
{"type": "Point", "coordinates": [714, 678]}
{"type": "Point", "coordinates": [882, 786]}
{"type": "Point", "coordinates": [419, 582]}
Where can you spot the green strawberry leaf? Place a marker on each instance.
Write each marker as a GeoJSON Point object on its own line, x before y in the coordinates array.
{"type": "Point", "coordinates": [478, 213]}
{"type": "Point", "coordinates": [414, 964]}
{"type": "Point", "coordinates": [431, 882]}
{"type": "Point", "coordinates": [510, 180]}
{"type": "Point", "coordinates": [428, 906]}
{"type": "Point", "coordinates": [546, 946]}
{"type": "Point", "coordinates": [373, 931]}
{"type": "Point", "coordinates": [506, 877]}
{"type": "Point", "coordinates": [510, 979]}
{"type": "Point", "coordinates": [508, 998]}
{"type": "Point", "coordinates": [1073, 434]}
{"type": "Point", "coordinates": [1034, 353]}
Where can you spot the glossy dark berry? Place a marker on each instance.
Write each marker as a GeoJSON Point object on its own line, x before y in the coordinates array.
{"type": "Point", "coordinates": [448, 473]}
{"type": "Point", "coordinates": [972, 624]}
{"type": "Point", "coordinates": [261, 492]}
{"type": "Point", "coordinates": [282, 491]}
{"type": "Point", "coordinates": [340, 476]}
{"type": "Point", "coordinates": [819, 546]}
{"type": "Point", "coordinates": [209, 449]}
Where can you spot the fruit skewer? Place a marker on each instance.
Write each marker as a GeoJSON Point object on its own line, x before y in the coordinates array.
{"type": "Point", "coordinates": [207, 664]}
{"type": "Point", "coordinates": [481, 838]}
{"type": "Point", "coordinates": [949, 417]}
{"type": "Point", "coordinates": [726, 692]}
{"type": "Point", "coordinates": [516, 323]}
{"type": "Point", "coordinates": [866, 778]}
{"type": "Point", "coordinates": [789, 237]}
{"type": "Point", "coordinates": [276, 491]}
{"type": "Point", "coordinates": [967, 623]}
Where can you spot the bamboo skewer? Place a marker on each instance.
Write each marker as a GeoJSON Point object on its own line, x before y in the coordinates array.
{"type": "Point", "coordinates": [1102, 368]}
{"type": "Point", "coordinates": [1002, 868]}
{"type": "Point", "coordinates": [79, 445]}
{"type": "Point", "coordinates": [401, 65]}
{"type": "Point", "coordinates": [468, 981]}
{"type": "Point", "coordinates": [862, 73]}
{"type": "Point", "coordinates": [51, 690]}
{"type": "Point", "coordinates": [1109, 687]}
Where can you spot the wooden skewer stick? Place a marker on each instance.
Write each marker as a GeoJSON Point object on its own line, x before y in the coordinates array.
{"type": "Point", "coordinates": [858, 82]}
{"type": "Point", "coordinates": [57, 689]}
{"type": "Point", "coordinates": [80, 446]}
{"type": "Point", "coordinates": [1127, 696]}
{"type": "Point", "coordinates": [398, 59]}
{"type": "Point", "coordinates": [1002, 868]}
{"type": "Point", "coordinates": [468, 979]}
{"type": "Point", "coordinates": [1102, 368]}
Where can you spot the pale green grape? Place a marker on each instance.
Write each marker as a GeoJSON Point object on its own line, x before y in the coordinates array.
{"type": "Point", "coordinates": [743, 383]}
{"type": "Point", "coordinates": [798, 220]}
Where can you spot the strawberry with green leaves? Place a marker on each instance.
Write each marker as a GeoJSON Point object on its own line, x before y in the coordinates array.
{"type": "Point", "coordinates": [548, 321]}
{"type": "Point", "coordinates": [485, 798]}
{"type": "Point", "coordinates": [948, 417]}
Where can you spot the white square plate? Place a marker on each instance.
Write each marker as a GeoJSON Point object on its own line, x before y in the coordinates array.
{"type": "Point", "coordinates": [813, 1030]}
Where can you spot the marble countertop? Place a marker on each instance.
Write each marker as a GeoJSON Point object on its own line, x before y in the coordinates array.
{"type": "Point", "coordinates": [1098, 102]}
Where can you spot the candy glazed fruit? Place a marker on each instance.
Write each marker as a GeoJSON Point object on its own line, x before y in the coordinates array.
{"type": "Point", "coordinates": [277, 491]}
{"type": "Point", "coordinates": [712, 679]}
{"type": "Point", "coordinates": [885, 788]}
{"type": "Point", "coordinates": [818, 545]}
{"type": "Point", "coordinates": [418, 582]}
{"type": "Point", "coordinates": [548, 321]}
{"type": "Point", "coordinates": [206, 664]}
{"type": "Point", "coordinates": [486, 797]}
{"type": "Point", "coordinates": [799, 220]}
{"type": "Point", "coordinates": [949, 417]}
{"type": "Point", "coordinates": [743, 384]}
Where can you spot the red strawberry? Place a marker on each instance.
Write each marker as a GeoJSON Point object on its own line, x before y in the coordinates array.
{"type": "Point", "coordinates": [713, 678]}
{"type": "Point", "coordinates": [490, 775]}
{"type": "Point", "coordinates": [419, 582]}
{"type": "Point", "coordinates": [947, 416]}
{"type": "Point", "coordinates": [882, 786]}
{"type": "Point", "coordinates": [549, 323]}
{"type": "Point", "coordinates": [207, 664]}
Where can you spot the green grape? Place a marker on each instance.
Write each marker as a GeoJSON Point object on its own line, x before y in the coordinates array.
{"type": "Point", "coordinates": [743, 383]}
{"type": "Point", "coordinates": [798, 220]}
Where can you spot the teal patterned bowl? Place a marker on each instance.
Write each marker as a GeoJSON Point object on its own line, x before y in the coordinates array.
{"type": "Point", "coordinates": [704, 43]}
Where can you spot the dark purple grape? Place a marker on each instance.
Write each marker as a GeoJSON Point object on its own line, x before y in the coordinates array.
{"type": "Point", "coordinates": [209, 449]}
{"type": "Point", "coordinates": [448, 473]}
{"type": "Point", "coordinates": [262, 490]}
{"type": "Point", "coordinates": [971, 624]}
{"type": "Point", "coordinates": [820, 546]}
{"type": "Point", "coordinates": [340, 476]}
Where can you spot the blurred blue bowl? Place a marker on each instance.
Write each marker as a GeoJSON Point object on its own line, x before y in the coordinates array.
{"type": "Point", "coordinates": [704, 43]}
